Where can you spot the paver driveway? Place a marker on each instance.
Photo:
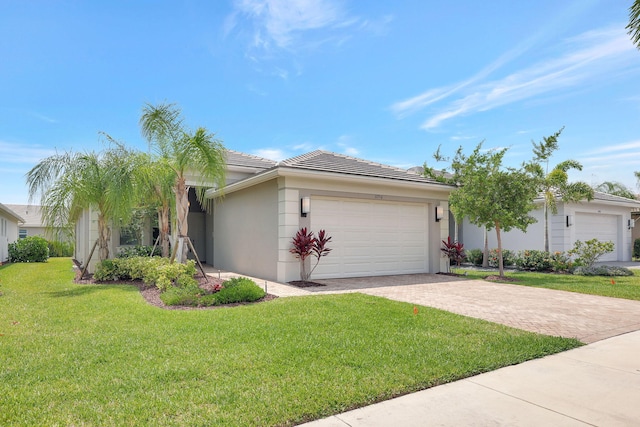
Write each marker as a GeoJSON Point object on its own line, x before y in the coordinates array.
{"type": "Point", "coordinates": [586, 317]}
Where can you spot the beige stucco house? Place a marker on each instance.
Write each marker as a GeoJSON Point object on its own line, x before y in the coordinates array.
{"type": "Point", "coordinates": [382, 219]}
{"type": "Point", "coordinates": [9, 223]}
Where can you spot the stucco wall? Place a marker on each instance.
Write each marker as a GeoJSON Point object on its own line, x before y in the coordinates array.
{"type": "Point", "coordinates": [245, 231]}
{"type": "Point", "coordinates": [473, 236]}
{"type": "Point", "coordinates": [8, 234]}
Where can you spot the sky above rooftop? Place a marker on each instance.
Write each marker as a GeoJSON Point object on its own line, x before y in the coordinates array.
{"type": "Point", "coordinates": [385, 81]}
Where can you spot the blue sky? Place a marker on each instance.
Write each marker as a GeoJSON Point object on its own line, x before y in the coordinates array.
{"type": "Point", "coordinates": [385, 81]}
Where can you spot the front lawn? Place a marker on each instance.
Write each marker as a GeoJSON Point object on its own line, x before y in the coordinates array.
{"type": "Point", "coordinates": [99, 355]}
{"type": "Point", "coordinates": [627, 287]}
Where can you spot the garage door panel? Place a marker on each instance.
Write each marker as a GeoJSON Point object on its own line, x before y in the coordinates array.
{"type": "Point", "coordinates": [598, 226]}
{"type": "Point", "coordinates": [371, 237]}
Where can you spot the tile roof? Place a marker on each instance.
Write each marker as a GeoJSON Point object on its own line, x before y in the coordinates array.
{"type": "Point", "coordinates": [327, 161]}
{"type": "Point", "coordinates": [30, 213]}
{"type": "Point", "coordinates": [597, 195]}
{"type": "Point", "coordinates": [236, 158]}
{"type": "Point", "coordinates": [8, 211]}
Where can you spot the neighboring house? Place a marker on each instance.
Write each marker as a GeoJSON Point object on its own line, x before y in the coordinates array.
{"type": "Point", "coordinates": [32, 225]}
{"type": "Point", "coordinates": [606, 218]}
{"type": "Point", "coordinates": [9, 223]}
{"type": "Point", "coordinates": [382, 219]}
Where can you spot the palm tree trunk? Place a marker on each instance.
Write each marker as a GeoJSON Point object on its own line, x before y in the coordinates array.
{"type": "Point", "coordinates": [163, 228]}
{"type": "Point", "coordinates": [104, 235]}
{"type": "Point", "coordinates": [500, 259]}
{"type": "Point", "coordinates": [182, 212]}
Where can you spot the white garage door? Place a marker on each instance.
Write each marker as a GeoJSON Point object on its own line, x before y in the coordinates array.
{"type": "Point", "coordinates": [601, 227]}
{"type": "Point", "coordinates": [371, 237]}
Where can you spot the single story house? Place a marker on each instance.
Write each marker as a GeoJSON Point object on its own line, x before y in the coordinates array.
{"type": "Point", "coordinates": [606, 218]}
{"type": "Point", "coordinates": [9, 223]}
{"type": "Point", "coordinates": [33, 224]}
{"type": "Point", "coordinates": [383, 220]}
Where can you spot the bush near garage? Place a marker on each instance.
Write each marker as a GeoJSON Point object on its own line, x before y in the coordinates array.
{"type": "Point", "coordinates": [29, 249]}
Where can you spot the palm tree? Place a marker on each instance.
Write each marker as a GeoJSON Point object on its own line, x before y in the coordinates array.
{"type": "Point", "coordinates": [155, 185]}
{"type": "Point", "coordinates": [69, 183]}
{"type": "Point", "coordinates": [183, 152]}
{"type": "Point", "coordinates": [555, 184]}
{"type": "Point", "coordinates": [617, 189]}
{"type": "Point", "coordinates": [634, 23]}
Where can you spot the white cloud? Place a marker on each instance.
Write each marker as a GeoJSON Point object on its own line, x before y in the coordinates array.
{"type": "Point", "coordinates": [344, 142]}
{"type": "Point", "coordinates": [593, 56]}
{"type": "Point", "coordinates": [278, 22]}
{"type": "Point", "coordinates": [617, 147]}
{"type": "Point", "coordinates": [21, 153]}
{"type": "Point", "coordinates": [275, 154]}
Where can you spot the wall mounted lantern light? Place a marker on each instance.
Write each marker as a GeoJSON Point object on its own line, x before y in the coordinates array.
{"type": "Point", "coordinates": [439, 213]}
{"type": "Point", "coordinates": [631, 223]}
{"type": "Point", "coordinates": [569, 220]}
{"type": "Point", "coordinates": [305, 206]}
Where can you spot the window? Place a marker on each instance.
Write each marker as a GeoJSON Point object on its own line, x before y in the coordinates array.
{"type": "Point", "coordinates": [3, 227]}
{"type": "Point", "coordinates": [129, 236]}
{"type": "Point", "coordinates": [22, 233]}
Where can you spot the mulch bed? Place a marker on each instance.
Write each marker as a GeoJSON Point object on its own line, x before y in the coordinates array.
{"type": "Point", "coordinates": [151, 293]}
{"type": "Point", "coordinates": [304, 284]}
{"type": "Point", "coordinates": [495, 278]}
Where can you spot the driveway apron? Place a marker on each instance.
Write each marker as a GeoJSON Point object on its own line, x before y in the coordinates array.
{"type": "Point", "coordinates": [588, 318]}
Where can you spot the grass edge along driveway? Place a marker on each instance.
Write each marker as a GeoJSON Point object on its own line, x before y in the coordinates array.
{"type": "Point", "coordinates": [627, 287]}
{"type": "Point", "coordinates": [100, 355]}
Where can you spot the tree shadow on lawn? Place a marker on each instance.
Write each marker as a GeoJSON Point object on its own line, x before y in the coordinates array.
{"type": "Point", "coordinates": [86, 289]}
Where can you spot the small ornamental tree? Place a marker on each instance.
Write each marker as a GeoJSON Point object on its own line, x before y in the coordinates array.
{"type": "Point", "coordinates": [305, 244]}
{"type": "Point", "coordinates": [453, 250]}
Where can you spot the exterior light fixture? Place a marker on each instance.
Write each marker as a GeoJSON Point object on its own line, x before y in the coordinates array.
{"type": "Point", "coordinates": [439, 213]}
{"type": "Point", "coordinates": [631, 223]}
{"type": "Point", "coordinates": [305, 206]}
{"type": "Point", "coordinates": [569, 220]}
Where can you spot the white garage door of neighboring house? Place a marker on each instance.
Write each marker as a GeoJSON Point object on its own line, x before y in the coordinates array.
{"type": "Point", "coordinates": [371, 237]}
{"type": "Point", "coordinates": [601, 227]}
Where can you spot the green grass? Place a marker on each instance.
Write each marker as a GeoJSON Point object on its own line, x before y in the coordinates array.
{"type": "Point", "coordinates": [627, 287]}
{"type": "Point", "coordinates": [99, 355]}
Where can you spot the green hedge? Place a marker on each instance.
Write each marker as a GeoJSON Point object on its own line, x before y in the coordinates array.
{"type": "Point", "coordinates": [29, 249]}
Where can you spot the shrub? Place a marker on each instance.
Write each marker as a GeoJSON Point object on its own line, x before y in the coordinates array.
{"type": "Point", "coordinates": [508, 258]}
{"type": "Point", "coordinates": [182, 295]}
{"type": "Point", "coordinates": [474, 256]}
{"type": "Point", "coordinates": [603, 270]}
{"type": "Point", "coordinates": [138, 251]}
{"type": "Point", "coordinates": [29, 249]}
{"type": "Point", "coordinates": [106, 270]}
{"type": "Point", "coordinates": [239, 289]}
{"type": "Point", "coordinates": [60, 249]}
{"type": "Point", "coordinates": [636, 248]}
{"type": "Point", "coordinates": [306, 244]}
{"type": "Point", "coordinates": [153, 271]}
{"type": "Point", "coordinates": [453, 250]}
{"type": "Point", "coordinates": [588, 252]}
{"type": "Point", "coordinates": [534, 260]}
{"type": "Point", "coordinates": [561, 262]}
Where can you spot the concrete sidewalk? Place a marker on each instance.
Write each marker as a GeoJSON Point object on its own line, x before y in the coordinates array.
{"type": "Point", "coordinates": [595, 385]}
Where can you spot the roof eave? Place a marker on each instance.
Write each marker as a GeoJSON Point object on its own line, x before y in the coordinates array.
{"type": "Point", "coordinates": [332, 176]}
